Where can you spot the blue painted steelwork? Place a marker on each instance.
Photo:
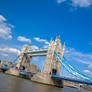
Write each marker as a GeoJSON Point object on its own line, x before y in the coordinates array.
{"type": "Point", "coordinates": [72, 80]}
{"type": "Point", "coordinates": [66, 66]}
{"type": "Point", "coordinates": [25, 73]}
{"type": "Point", "coordinates": [15, 59]}
{"type": "Point", "coordinates": [71, 70]}
{"type": "Point", "coordinates": [65, 60]}
{"type": "Point", "coordinates": [5, 68]}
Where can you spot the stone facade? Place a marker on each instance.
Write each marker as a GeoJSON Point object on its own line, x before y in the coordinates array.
{"type": "Point", "coordinates": [51, 61]}
{"type": "Point", "coordinates": [45, 78]}
{"type": "Point", "coordinates": [12, 71]}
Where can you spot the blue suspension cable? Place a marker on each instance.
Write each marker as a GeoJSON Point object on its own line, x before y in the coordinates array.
{"type": "Point", "coordinates": [15, 59]}
{"type": "Point", "coordinates": [71, 69]}
{"type": "Point", "coordinates": [65, 65]}
{"type": "Point", "coordinates": [76, 70]}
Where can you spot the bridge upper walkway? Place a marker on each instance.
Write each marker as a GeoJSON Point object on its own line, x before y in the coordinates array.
{"type": "Point", "coordinates": [37, 52]}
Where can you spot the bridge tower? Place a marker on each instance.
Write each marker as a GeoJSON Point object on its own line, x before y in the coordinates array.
{"type": "Point", "coordinates": [24, 59]}
{"type": "Point", "coordinates": [51, 61]}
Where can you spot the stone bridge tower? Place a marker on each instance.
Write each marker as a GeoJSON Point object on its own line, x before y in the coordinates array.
{"type": "Point", "coordinates": [24, 59]}
{"type": "Point", "coordinates": [51, 61]}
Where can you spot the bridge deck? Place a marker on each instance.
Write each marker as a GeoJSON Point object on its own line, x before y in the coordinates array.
{"type": "Point", "coordinates": [72, 80]}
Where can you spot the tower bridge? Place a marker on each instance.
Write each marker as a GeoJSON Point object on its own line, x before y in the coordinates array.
{"type": "Point", "coordinates": [52, 67]}
{"type": "Point", "coordinates": [50, 64]}
{"type": "Point", "coordinates": [51, 61]}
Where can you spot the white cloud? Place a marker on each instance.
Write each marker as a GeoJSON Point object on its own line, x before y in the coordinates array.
{"type": "Point", "coordinates": [81, 3]}
{"type": "Point", "coordinates": [2, 18]}
{"type": "Point", "coordinates": [47, 42]}
{"type": "Point", "coordinates": [86, 71]}
{"type": "Point", "coordinates": [72, 55]}
{"type": "Point", "coordinates": [34, 47]}
{"type": "Point", "coordinates": [35, 58]}
{"type": "Point", "coordinates": [23, 39]}
{"type": "Point", "coordinates": [9, 53]}
{"type": "Point", "coordinates": [5, 29]}
{"type": "Point", "coordinates": [10, 50]}
{"type": "Point", "coordinates": [60, 1]}
{"type": "Point", "coordinates": [3, 54]}
{"type": "Point", "coordinates": [77, 3]}
{"type": "Point", "coordinates": [45, 46]}
{"type": "Point", "coordinates": [38, 39]}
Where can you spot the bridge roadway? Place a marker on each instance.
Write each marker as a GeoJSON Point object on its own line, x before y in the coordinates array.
{"type": "Point", "coordinates": [37, 52]}
{"type": "Point", "coordinates": [71, 79]}
{"type": "Point", "coordinates": [62, 78]}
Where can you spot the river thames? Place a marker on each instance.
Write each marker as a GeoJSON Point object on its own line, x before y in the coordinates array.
{"type": "Point", "coordinates": [13, 84]}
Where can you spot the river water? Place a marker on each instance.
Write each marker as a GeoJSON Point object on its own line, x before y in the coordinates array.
{"type": "Point", "coordinates": [13, 84]}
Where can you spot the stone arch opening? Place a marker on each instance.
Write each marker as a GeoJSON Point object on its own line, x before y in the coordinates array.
{"type": "Point", "coordinates": [54, 71]}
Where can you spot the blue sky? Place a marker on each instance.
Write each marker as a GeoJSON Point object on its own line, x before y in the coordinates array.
{"type": "Point", "coordinates": [39, 21]}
